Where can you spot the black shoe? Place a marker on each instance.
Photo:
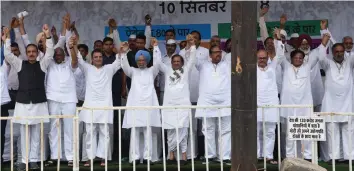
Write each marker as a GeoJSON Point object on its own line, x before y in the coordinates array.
{"type": "Point", "coordinates": [146, 162]}
{"type": "Point", "coordinates": [171, 162]}
{"type": "Point", "coordinates": [50, 163]}
{"type": "Point", "coordinates": [227, 162]}
{"type": "Point", "coordinates": [33, 166]}
{"type": "Point", "coordinates": [210, 160]}
{"type": "Point", "coordinates": [329, 162]}
{"type": "Point", "coordinates": [137, 162]}
{"type": "Point", "coordinates": [309, 160]}
{"type": "Point", "coordinates": [21, 167]}
{"type": "Point", "coordinates": [347, 162]}
{"type": "Point", "coordinates": [183, 162]}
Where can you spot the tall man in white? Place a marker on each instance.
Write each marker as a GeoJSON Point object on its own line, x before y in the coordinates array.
{"type": "Point", "coordinates": [201, 54]}
{"type": "Point", "coordinates": [61, 95]}
{"type": "Point", "coordinates": [317, 89]}
{"type": "Point", "coordinates": [142, 93]}
{"type": "Point", "coordinates": [31, 98]}
{"type": "Point", "coordinates": [338, 97]}
{"type": "Point", "coordinates": [98, 94]}
{"type": "Point", "coordinates": [215, 89]}
{"type": "Point", "coordinates": [267, 94]}
{"type": "Point", "coordinates": [176, 94]}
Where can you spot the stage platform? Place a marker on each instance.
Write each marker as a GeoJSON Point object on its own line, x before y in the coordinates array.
{"type": "Point", "coordinates": [112, 166]}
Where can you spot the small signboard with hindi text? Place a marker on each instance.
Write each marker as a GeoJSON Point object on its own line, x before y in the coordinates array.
{"type": "Point", "coordinates": [306, 128]}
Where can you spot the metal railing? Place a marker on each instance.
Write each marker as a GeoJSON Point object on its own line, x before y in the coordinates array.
{"type": "Point", "coordinates": [163, 137]}
{"type": "Point", "coordinates": [42, 118]}
{"type": "Point", "coordinates": [314, 143]}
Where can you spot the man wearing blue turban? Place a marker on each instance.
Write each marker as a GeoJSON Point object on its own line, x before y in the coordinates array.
{"type": "Point", "coordinates": [142, 93]}
{"type": "Point", "coordinates": [140, 56]}
{"type": "Point", "coordinates": [140, 45]}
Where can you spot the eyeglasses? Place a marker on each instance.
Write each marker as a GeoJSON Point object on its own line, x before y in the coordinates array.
{"type": "Point", "coordinates": [213, 52]}
{"type": "Point", "coordinates": [262, 58]}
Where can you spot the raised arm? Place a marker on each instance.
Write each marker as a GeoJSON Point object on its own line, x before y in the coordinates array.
{"type": "Point", "coordinates": [122, 53]}
{"type": "Point", "coordinates": [54, 35]}
{"type": "Point", "coordinates": [21, 45]}
{"type": "Point", "coordinates": [9, 56]}
{"type": "Point", "coordinates": [113, 33]}
{"type": "Point", "coordinates": [147, 31]}
{"type": "Point", "coordinates": [128, 70]}
{"type": "Point", "coordinates": [24, 35]}
{"type": "Point", "coordinates": [156, 57]}
{"type": "Point", "coordinates": [322, 52]}
{"type": "Point", "coordinates": [48, 57]}
{"type": "Point", "coordinates": [283, 19]}
{"type": "Point", "coordinates": [62, 39]}
{"type": "Point", "coordinates": [162, 67]}
{"type": "Point", "coordinates": [280, 58]}
{"type": "Point", "coordinates": [262, 25]}
{"type": "Point", "coordinates": [76, 58]}
{"type": "Point", "coordinates": [15, 25]}
{"type": "Point", "coordinates": [191, 58]}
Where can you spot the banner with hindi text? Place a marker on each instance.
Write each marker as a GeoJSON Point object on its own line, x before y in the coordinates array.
{"type": "Point", "coordinates": [158, 31]}
{"type": "Point", "coordinates": [310, 27]}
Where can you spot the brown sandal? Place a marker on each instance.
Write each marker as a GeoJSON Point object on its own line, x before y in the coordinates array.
{"type": "Point", "coordinates": [103, 163]}
{"type": "Point", "coordinates": [272, 162]}
{"type": "Point", "coordinates": [87, 164]}
{"type": "Point", "coordinates": [70, 163]}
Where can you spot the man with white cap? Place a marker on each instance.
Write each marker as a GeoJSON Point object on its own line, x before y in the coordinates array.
{"type": "Point", "coordinates": [131, 42]}
{"type": "Point", "coordinates": [170, 49]}
{"type": "Point", "coordinates": [293, 41]}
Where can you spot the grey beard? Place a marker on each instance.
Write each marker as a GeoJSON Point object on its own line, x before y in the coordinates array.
{"type": "Point", "coordinates": [305, 51]}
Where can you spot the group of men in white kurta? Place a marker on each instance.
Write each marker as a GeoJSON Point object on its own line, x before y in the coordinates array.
{"type": "Point", "coordinates": [194, 76]}
{"type": "Point", "coordinates": [298, 68]}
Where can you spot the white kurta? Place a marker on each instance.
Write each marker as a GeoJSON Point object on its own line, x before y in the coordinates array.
{"type": "Point", "coordinates": [98, 90]}
{"type": "Point", "coordinates": [317, 87]}
{"type": "Point", "coordinates": [142, 93]}
{"type": "Point", "coordinates": [202, 54]}
{"type": "Point", "coordinates": [177, 94]}
{"type": "Point", "coordinates": [5, 97]}
{"type": "Point", "coordinates": [339, 86]}
{"type": "Point", "coordinates": [80, 84]}
{"type": "Point", "coordinates": [38, 109]}
{"type": "Point", "coordinates": [61, 85]}
{"type": "Point", "coordinates": [296, 88]}
{"type": "Point", "coordinates": [267, 93]}
{"type": "Point", "coordinates": [215, 88]}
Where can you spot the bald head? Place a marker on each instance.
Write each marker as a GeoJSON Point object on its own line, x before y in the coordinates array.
{"type": "Point", "coordinates": [347, 38]}
{"type": "Point", "coordinates": [348, 43]}
{"type": "Point", "coordinates": [215, 41]}
{"type": "Point", "coordinates": [59, 55]}
{"type": "Point", "coordinates": [262, 52]}
{"type": "Point", "coordinates": [262, 58]}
